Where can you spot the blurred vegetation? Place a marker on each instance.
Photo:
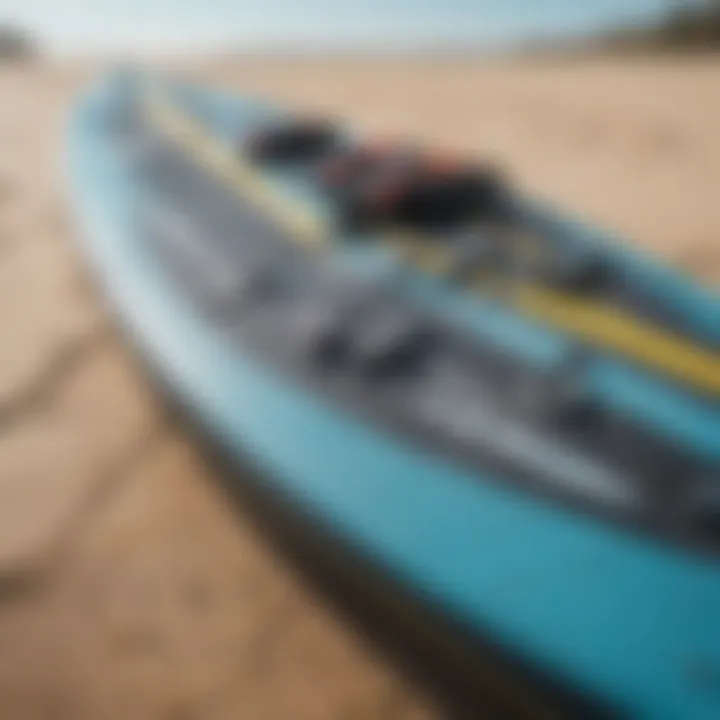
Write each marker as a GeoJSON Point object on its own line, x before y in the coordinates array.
{"type": "Point", "coordinates": [17, 45]}
{"type": "Point", "coordinates": [688, 25]}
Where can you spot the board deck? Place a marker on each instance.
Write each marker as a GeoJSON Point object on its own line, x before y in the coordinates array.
{"type": "Point", "coordinates": [602, 322]}
{"type": "Point", "coordinates": [605, 605]}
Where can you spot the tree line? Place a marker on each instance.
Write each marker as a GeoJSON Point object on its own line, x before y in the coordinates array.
{"type": "Point", "coordinates": [688, 24]}
{"type": "Point", "coordinates": [16, 45]}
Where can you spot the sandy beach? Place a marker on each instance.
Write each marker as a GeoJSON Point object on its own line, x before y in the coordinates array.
{"type": "Point", "coordinates": [128, 589]}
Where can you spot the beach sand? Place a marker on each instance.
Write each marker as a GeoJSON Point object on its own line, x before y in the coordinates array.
{"type": "Point", "coordinates": [128, 588]}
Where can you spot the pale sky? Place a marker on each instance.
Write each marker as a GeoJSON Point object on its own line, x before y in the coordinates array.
{"type": "Point", "coordinates": [96, 25]}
